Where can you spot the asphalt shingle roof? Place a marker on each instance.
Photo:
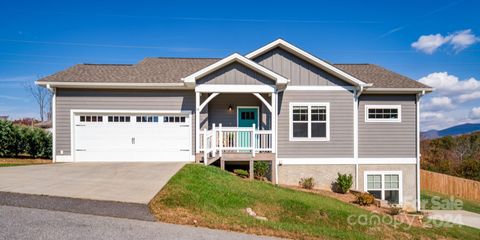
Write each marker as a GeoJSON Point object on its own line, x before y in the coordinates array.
{"type": "Point", "coordinates": [171, 70]}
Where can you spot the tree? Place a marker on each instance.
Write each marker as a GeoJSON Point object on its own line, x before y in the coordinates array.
{"type": "Point", "coordinates": [42, 97]}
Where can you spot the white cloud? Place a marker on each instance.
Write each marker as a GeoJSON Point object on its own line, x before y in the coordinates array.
{"type": "Point", "coordinates": [429, 43]}
{"type": "Point", "coordinates": [446, 84]}
{"type": "Point", "coordinates": [469, 96]}
{"type": "Point", "coordinates": [450, 103]}
{"type": "Point", "coordinates": [431, 115]}
{"type": "Point", "coordinates": [475, 113]}
{"type": "Point", "coordinates": [458, 40]}
{"type": "Point", "coordinates": [463, 39]}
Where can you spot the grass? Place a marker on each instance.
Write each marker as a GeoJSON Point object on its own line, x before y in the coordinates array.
{"type": "Point", "coordinates": [210, 197]}
{"type": "Point", "coordinates": [21, 161]}
{"type": "Point", "coordinates": [468, 205]}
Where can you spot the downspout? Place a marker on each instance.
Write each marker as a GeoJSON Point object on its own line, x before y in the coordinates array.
{"type": "Point", "coordinates": [356, 96]}
{"type": "Point", "coordinates": [53, 116]}
{"type": "Point", "coordinates": [418, 150]}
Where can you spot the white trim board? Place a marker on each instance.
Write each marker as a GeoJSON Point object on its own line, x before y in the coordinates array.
{"type": "Point", "coordinates": [233, 88]}
{"type": "Point", "coordinates": [320, 88]}
{"type": "Point", "coordinates": [330, 161]}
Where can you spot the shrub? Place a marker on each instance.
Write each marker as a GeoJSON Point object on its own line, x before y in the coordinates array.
{"type": "Point", "coordinates": [344, 182]}
{"type": "Point", "coordinates": [307, 183]}
{"type": "Point", "coordinates": [241, 173]}
{"type": "Point", "coordinates": [260, 169]}
{"type": "Point", "coordinates": [20, 139]}
{"type": "Point", "coordinates": [395, 209]}
{"type": "Point", "coordinates": [364, 199]}
{"type": "Point", "coordinates": [6, 137]}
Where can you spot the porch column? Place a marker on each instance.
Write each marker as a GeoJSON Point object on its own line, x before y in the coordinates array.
{"type": "Point", "coordinates": [197, 122]}
{"type": "Point", "coordinates": [274, 121]}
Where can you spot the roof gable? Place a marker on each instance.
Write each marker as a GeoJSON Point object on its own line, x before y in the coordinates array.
{"type": "Point", "coordinates": [191, 79]}
{"type": "Point", "coordinates": [280, 43]}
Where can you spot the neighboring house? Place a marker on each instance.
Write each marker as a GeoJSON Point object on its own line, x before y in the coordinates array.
{"type": "Point", "coordinates": [308, 117]}
{"type": "Point", "coordinates": [45, 125]}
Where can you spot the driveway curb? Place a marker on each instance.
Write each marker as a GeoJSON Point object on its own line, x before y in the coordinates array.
{"type": "Point", "coordinates": [76, 205]}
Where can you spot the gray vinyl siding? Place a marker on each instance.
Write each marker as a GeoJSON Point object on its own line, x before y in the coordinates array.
{"type": "Point", "coordinates": [218, 109]}
{"type": "Point", "coordinates": [68, 99]}
{"type": "Point", "coordinates": [298, 71]}
{"type": "Point", "coordinates": [235, 73]}
{"type": "Point", "coordinates": [392, 140]}
{"type": "Point", "coordinates": [341, 126]}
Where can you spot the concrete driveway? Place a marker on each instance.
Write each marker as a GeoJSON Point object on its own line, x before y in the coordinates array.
{"type": "Point", "coordinates": [119, 182]}
{"type": "Point", "coordinates": [455, 216]}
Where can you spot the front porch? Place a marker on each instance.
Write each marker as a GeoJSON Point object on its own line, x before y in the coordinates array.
{"type": "Point", "coordinates": [236, 128]}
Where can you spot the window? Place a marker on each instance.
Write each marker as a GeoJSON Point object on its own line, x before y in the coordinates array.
{"type": "Point", "coordinates": [91, 119]}
{"type": "Point", "coordinates": [247, 115]}
{"type": "Point", "coordinates": [382, 113]}
{"type": "Point", "coordinates": [174, 119]}
{"type": "Point", "coordinates": [118, 118]}
{"type": "Point", "coordinates": [384, 185]}
{"type": "Point", "coordinates": [309, 122]}
{"type": "Point", "coordinates": [147, 118]}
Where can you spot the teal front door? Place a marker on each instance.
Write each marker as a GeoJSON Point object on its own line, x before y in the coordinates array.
{"type": "Point", "coordinates": [246, 117]}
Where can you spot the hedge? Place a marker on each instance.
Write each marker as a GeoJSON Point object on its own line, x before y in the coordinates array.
{"type": "Point", "coordinates": [20, 139]}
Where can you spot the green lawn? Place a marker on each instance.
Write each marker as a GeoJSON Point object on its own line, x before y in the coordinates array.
{"type": "Point", "coordinates": [468, 205]}
{"type": "Point", "coordinates": [10, 164]}
{"type": "Point", "coordinates": [214, 198]}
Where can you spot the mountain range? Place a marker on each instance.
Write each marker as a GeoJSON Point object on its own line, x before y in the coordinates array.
{"type": "Point", "coordinates": [451, 131]}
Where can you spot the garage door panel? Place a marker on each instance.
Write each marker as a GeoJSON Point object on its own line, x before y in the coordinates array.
{"type": "Point", "coordinates": [132, 141]}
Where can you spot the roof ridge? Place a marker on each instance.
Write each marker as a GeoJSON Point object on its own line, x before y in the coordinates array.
{"type": "Point", "coordinates": [181, 58]}
{"type": "Point", "coordinates": [353, 64]}
{"type": "Point", "coordinates": [107, 64]}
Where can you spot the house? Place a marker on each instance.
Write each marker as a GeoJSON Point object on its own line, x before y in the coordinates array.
{"type": "Point", "coordinates": [308, 117]}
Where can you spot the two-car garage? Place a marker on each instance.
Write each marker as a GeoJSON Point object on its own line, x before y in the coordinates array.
{"type": "Point", "coordinates": [125, 136]}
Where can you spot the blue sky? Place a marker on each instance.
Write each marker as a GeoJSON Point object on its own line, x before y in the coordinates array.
{"type": "Point", "coordinates": [38, 38]}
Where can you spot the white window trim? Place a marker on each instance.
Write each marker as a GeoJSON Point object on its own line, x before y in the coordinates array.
{"type": "Point", "coordinates": [309, 105]}
{"type": "Point", "coordinates": [383, 189]}
{"type": "Point", "coordinates": [398, 107]}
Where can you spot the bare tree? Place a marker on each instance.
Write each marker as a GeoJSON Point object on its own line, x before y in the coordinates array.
{"type": "Point", "coordinates": [42, 96]}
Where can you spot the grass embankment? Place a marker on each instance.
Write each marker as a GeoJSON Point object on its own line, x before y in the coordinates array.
{"type": "Point", "coordinates": [468, 205]}
{"type": "Point", "coordinates": [11, 162]}
{"type": "Point", "coordinates": [210, 197]}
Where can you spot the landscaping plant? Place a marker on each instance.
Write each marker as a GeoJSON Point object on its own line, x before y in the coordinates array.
{"type": "Point", "coordinates": [260, 170]}
{"type": "Point", "coordinates": [344, 182]}
{"type": "Point", "coordinates": [21, 139]}
{"type": "Point", "coordinates": [364, 199]}
{"type": "Point", "coordinates": [241, 173]}
{"type": "Point", "coordinates": [307, 183]}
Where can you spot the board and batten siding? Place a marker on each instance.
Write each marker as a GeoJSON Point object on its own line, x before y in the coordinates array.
{"type": "Point", "coordinates": [68, 99]}
{"type": "Point", "coordinates": [341, 126]}
{"type": "Point", "coordinates": [235, 73]}
{"type": "Point", "coordinates": [297, 70]}
{"type": "Point", "coordinates": [387, 139]}
{"type": "Point", "coordinates": [218, 109]}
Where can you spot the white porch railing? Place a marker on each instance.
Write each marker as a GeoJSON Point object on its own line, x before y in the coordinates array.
{"type": "Point", "coordinates": [234, 139]}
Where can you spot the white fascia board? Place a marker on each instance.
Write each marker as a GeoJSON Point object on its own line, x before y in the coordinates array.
{"type": "Point", "coordinates": [113, 85]}
{"type": "Point", "coordinates": [310, 58]}
{"type": "Point", "coordinates": [329, 161]}
{"type": "Point", "coordinates": [235, 58]}
{"type": "Point", "coordinates": [398, 90]}
{"type": "Point", "coordinates": [233, 88]}
{"type": "Point", "coordinates": [320, 88]}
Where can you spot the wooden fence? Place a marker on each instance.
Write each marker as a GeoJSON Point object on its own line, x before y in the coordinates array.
{"type": "Point", "coordinates": [450, 185]}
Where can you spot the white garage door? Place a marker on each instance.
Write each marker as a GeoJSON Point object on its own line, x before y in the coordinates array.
{"type": "Point", "coordinates": [132, 137]}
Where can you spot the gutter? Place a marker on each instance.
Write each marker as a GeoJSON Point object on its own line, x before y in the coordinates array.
{"type": "Point", "coordinates": [418, 205]}
{"type": "Point", "coordinates": [113, 85]}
